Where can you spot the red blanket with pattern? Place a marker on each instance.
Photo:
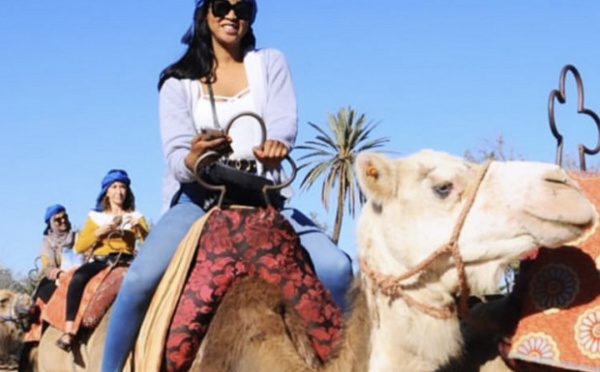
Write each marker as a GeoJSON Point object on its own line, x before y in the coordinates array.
{"type": "Point", "coordinates": [248, 242]}
{"type": "Point", "coordinates": [560, 294]}
{"type": "Point", "coordinates": [99, 294]}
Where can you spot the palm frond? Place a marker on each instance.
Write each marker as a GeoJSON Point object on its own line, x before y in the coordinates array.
{"type": "Point", "coordinates": [324, 137]}
{"type": "Point", "coordinates": [321, 142]}
{"type": "Point", "coordinates": [357, 132]}
{"type": "Point", "coordinates": [315, 154]}
{"type": "Point", "coordinates": [313, 174]}
{"type": "Point", "coordinates": [329, 184]}
{"type": "Point", "coordinates": [366, 131]}
{"type": "Point", "coordinates": [374, 144]}
{"type": "Point", "coordinates": [351, 189]}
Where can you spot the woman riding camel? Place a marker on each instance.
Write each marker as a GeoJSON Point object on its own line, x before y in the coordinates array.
{"type": "Point", "coordinates": [58, 236]}
{"type": "Point", "coordinates": [110, 231]}
{"type": "Point", "coordinates": [220, 75]}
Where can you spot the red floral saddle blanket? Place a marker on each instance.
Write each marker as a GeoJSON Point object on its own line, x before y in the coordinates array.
{"type": "Point", "coordinates": [560, 294]}
{"type": "Point", "coordinates": [255, 242]}
{"type": "Point", "coordinates": [98, 296]}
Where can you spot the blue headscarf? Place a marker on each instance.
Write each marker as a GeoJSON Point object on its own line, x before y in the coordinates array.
{"type": "Point", "coordinates": [111, 177]}
{"type": "Point", "coordinates": [189, 34]}
{"type": "Point", "coordinates": [52, 210]}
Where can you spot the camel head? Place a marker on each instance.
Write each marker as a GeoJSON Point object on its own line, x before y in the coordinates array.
{"type": "Point", "coordinates": [13, 305]}
{"type": "Point", "coordinates": [414, 203]}
{"type": "Point", "coordinates": [6, 302]}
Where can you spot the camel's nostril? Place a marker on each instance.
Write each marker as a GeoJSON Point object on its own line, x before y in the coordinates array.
{"type": "Point", "coordinates": [560, 181]}
{"type": "Point", "coordinates": [586, 226]}
{"type": "Point", "coordinates": [556, 175]}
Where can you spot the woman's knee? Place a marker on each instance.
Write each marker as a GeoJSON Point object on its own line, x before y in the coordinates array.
{"type": "Point", "coordinates": [338, 268]}
{"type": "Point", "coordinates": [140, 282]}
{"type": "Point", "coordinates": [342, 265]}
{"type": "Point", "coordinates": [332, 260]}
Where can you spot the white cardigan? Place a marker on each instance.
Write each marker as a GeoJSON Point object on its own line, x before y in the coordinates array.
{"type": "Point", "coordinates": [271, 85]}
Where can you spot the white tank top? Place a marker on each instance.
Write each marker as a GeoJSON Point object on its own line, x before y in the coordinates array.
{"type": "Point", "coordinates": [245, 132]}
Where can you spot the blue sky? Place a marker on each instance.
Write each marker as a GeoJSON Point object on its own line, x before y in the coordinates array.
{"type": "Point", "coordinates": [78, 88]}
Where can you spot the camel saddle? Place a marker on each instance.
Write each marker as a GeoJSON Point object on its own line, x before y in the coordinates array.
{"type": "Point", "coordinates": [559, 292]}
{"type": "Point", "coordinates": [98, 296]}
{"type": "Point", "coordinates": [34, 333]}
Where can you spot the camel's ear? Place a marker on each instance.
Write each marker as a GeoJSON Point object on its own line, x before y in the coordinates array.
{"type": "Point", "coordinates": [376, 176]}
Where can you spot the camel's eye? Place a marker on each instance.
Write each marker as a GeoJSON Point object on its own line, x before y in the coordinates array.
{"type": "Point", "coordinates": [443, 190]}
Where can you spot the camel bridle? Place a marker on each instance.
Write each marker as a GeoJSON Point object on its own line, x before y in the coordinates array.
{"type": "Point", "coordinates": [391, 286]}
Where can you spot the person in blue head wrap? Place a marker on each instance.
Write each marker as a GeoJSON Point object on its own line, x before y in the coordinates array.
{"type": "Point", "coordinates": [114, 175]}
{"type": "Point", "coordinates": [220, 75]}
{"type": "Point", "coordinates": [109, 234]}
{"type": "Point", "coordinates": [58, 238]}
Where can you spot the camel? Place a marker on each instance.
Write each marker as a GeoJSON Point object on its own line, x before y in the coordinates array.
{"type": "Point", "coordinates": [13, 306]}
{"type": "Point", "coordinates": [433, 225]}
{"type": "Point", "coordinates": [85, 356]}
{"type": "Point", "coordinates": [415, 206]}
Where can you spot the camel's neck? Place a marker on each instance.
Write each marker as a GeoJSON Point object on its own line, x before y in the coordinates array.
{"type": "Point", "coordinates": [406, 337]}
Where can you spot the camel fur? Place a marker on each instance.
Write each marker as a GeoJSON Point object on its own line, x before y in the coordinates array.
{"type": "Point", "coordinates": [13, 307]}
{"type": "Point", "coordinates": [85, 356]}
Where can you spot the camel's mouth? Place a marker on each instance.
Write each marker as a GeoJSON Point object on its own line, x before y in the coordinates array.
{"type": "Point", "coordinates": [584, 231]}
{"type": "Point", "coordinates": [556, 233]}
{"type": "Point", "coordinates": [569, 217]}
{"type": "Point", "coordinates": [531, 255]}
{"type": "Point", "coordinates": [496, 268]}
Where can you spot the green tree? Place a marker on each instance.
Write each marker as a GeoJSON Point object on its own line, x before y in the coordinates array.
{"type": "Point", "coordinates": [331, 155]}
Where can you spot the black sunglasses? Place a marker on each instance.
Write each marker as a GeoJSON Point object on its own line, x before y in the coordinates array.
{"type": "Point", "coordinates": [59, 219]}
{"type": "Point", "coordinates": [243, 10]}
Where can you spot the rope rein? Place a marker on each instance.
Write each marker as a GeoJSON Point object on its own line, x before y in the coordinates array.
{"type": "Point", "coordinates": [391, 286]}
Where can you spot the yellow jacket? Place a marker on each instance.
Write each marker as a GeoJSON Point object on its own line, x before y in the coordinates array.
{"type": "Point", "coordinates": [121, 241]}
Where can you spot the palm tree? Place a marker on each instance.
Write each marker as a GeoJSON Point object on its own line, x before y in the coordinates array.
{"type": "Point", "coordinates": [332, 156]}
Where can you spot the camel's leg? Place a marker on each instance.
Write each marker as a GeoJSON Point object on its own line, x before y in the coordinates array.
{"type": "Point", "coordinates": [50, 357]}
{"type": "Point", "coordinates": [85, 356]}
{"type": "Point", "coordinates": [28, 358]}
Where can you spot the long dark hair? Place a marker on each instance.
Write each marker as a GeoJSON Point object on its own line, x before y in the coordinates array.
{"type": "Point", "coordinates": [198, 60]}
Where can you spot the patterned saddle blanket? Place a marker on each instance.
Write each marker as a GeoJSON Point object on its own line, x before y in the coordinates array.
{"type": "Point", "coordinates": [560, 296]}
{"type": "Point", "coordinates": [223, 245]}
{"type": "Point", "coordinates": [99, 294]}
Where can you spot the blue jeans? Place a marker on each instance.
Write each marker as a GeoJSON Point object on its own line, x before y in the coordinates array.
{"type": "Point", "coordinates": [332, 265]}
{"type": "Point", "coordinates": [141, 281]}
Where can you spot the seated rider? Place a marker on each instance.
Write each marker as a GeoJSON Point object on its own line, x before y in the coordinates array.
{"type": "Point", "coordinates": [110, 231]}
{"type": "Point", "coordinates": [58, 237]}
{"type": "Point", "coordinates": [221, 57]}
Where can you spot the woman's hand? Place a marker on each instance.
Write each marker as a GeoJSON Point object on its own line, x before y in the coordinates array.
{"type": "Point", "coordinates": [130, 221]}
{"type": "Point", "coordinates": [202, 143]}
{"type": "Point", "coordinates": [271, 154]}
{"type": "Point", "coordinates": [104, 230]}
{"type": "Point", "coordinates": [54, 273]}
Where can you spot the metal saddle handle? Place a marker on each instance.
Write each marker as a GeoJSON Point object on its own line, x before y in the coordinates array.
{"type": "Point", "coordinates": [560, 95]}
{"type": "Point", "coordinates": [210, 156]}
